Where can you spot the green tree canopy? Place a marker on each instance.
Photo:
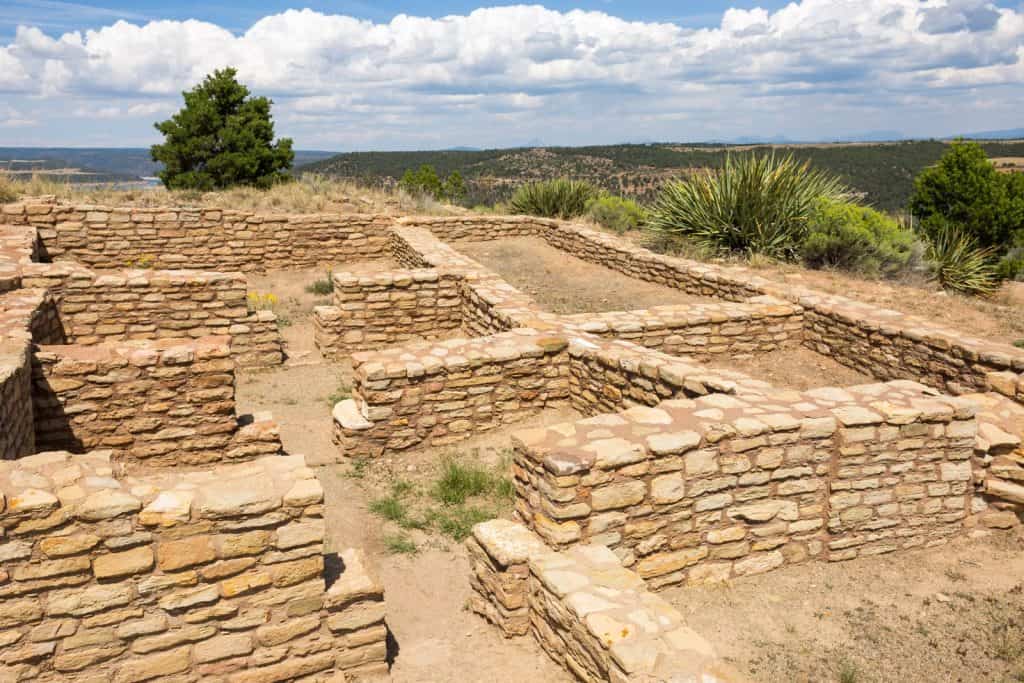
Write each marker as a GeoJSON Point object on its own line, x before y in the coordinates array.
{"type": "Point", "coordinates": [965, 190]}
{"type": "Point", "coordinates": [220, 138]}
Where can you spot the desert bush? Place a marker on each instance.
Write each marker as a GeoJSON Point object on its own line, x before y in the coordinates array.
{"type": "Point", "coordinates": [1011, 267]}
{"type": "Point", "coordinates": [558, 198]}
{"type": "Point", "coordinates": [424, 182]}
{"type": "Point", "coordinates": [959, 265]}
{"type": "Point", "coordinates": [322, 286]}
{"type": "Point", "coordinates": [8, 190]}
{"type": "Point", "coordinates": [616, 213]}
{"type": "Point", "coordinates": [752, 205]}
{"type": "Point", "coordinates": [857, 238]}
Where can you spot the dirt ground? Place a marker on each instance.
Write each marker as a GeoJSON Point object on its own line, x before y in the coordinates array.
{"type": "Point", "coordinates": [564, 284]}
{"type": "Point", "coordinates": [795, 367]}
{"type": "Point", "coordinates": [952, 613]}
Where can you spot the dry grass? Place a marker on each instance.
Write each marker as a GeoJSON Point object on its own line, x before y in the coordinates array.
{"type": "Point", "coordinates": [308, 194]}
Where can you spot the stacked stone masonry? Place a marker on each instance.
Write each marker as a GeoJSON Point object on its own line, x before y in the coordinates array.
{"type": "Point", "coordinates": [212, 575]}
{"type": "Point", "coordinates": [592, 616]}
{"type": "Point", "coordinates": [436, 394]}
{"type": "Point", "coordinates": [720, 486]}
{"type": "Point", "coordinates": [166, 403]}
{"type": "Point", "coordinates": [155, 304]}
{"type": "Point", "coordinates": [388, 308]}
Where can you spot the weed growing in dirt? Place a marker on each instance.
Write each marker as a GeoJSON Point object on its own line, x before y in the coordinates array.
{"type": "Point", "coordinates": [848, 672]}
{"type": "Point", "coordinates": [343, 392]}
{"type": "Point", "coordinates": [955, 575]}
{"type": "Point", "coordinates": [1019, 343]}
{"type": "Point", "coordinates": [463, 494]}
{"type": "Point", "coordinates": [399, 544]}
{"type": "Point", "coordinates": [358, 470]}
{"type": "Point", "coordinates": [323, 286]}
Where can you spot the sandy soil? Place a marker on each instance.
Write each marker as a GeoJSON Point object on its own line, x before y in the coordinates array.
{"type": "Point", "coordinates": [795, 368]}
{"type": "Point", "coordinates": [954, 613]}
{"type": "Point", "coordinates": [561, 283]}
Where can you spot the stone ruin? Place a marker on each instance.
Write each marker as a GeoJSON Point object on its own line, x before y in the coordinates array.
{"type": "Point", "coordinates": [150, 532]}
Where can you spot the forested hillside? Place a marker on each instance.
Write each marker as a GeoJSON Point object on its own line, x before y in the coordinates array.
{"type": "Point", "coordinates": [883, 172]}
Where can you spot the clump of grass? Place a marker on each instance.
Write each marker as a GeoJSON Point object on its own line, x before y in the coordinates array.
{"type": "Point", "coordinates": [1019, 343]}
{"type": "Point", "coordinates": [359, 467]}
{"type": "Point", "coordinates": [459, 481]}
{"type": "Point", "coordinates": [848, 672]}
{"type": "Point", "coordinates": [323, 286]}
{"type": "Point", "coordinates": [399, 544]}
{"type": "Point", "coordinates": [8, 190]}
{"type": "Point", "coordinates": [462, 495]}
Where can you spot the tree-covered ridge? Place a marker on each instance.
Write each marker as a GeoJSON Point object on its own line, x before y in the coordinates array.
{"type": "Point", "coordinates": [882, 172]}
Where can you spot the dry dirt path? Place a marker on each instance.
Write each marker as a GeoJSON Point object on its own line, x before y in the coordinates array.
{"type": "Point", "coordinates": [434, 637]}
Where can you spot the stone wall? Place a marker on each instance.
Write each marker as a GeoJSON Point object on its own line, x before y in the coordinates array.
{"type": "Point", "coordinates": [438, 394]}
{"type": "Point", "coordinates": [196, 576]}
{"type": "Point", "coordinates": [701, 330]}
{"type": "Point", "coordinates": [593, 617]}
{"type": "Point", "coordinates": [721, 486]}
{"type": "Point", "coordinates": [18, 246]}
{"type": "Point", "coordinates": [213, 239]}
{"type": "Point", "coordinates": [387, 308]}
{"type": "Point", "coordinates": [26, 315]}
{"type": "Point", "coordinates": [166, 402]}
{"type": "Point", "coordinates": [998, 464]}
{"type": "Point", "coordinates": [157, 304]}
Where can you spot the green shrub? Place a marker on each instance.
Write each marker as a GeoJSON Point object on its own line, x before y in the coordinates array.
{"type": "Point", "coordinates": [959, 265]}
{"type": "Point", "coordinates": [965, 189]}
{"type": "Point", "coordinates": [856, 238]}
{"type": "Point", "coordinates": [1011, 267]}
{"type": "Point", "coordinates": [616, 213]}
{"type": "Point", "coordinates": [753, 205]}
{"type": "Point", "coordinates": [559, 198]}
{"type": "Point", "coordinates": [424, 182]}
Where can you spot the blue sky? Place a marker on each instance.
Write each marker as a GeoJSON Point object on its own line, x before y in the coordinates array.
{"type": "Point", "coordinates": [356, 75]}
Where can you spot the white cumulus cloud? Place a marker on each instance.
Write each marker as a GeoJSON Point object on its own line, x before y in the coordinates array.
{"type": "Point", "coordinates": [501, 74]}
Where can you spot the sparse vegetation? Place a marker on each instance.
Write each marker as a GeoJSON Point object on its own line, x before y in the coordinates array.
{"type": "Point", "coordinates": [343, 392]}
{"type": "Point", "coordinates": [322, 286]}
{"type": "Point", "coordinates": [463, 494]}
{"type": "Point", "coordinates": [399, 544]}
{"type": "Point", "coordinates": [558, 198]}
{"type": "Point", "coordinates": [9, 190]}
{"type": "Point", "coordinates": [425, 182]}
{"type": "Point", "coordinates": [753, 205]}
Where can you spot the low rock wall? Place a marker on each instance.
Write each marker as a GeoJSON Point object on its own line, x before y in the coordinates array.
{"type": "Point", "coordinates": [166, 402]}
{"type": "Point", "coordinates": [441, 393]}
{"type": "Point", "coordinates": [701, 330]}
{"type": "Point", "coordinates": [592, 616]}
{"type": "Point", "coordinates": [197, 576]}
{"type": "Point", "coordinates": [719, 486]}
{"type": "Point", "coordinates": [388, 308]}
{"type": "Point", "coordinates": [157, 304]}
{"type": "Point", "coordinates": [214, 239]}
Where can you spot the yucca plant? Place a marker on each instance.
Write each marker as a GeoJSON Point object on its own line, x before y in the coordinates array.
{"type": "Point", "coordinates": [752, 205]}
{"type": "Point", "coordinates": [959, 265]}
{"type": "Point", "coordinates": [558, 198]}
